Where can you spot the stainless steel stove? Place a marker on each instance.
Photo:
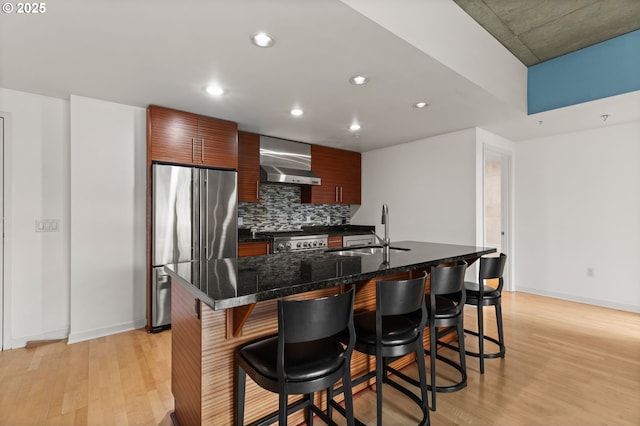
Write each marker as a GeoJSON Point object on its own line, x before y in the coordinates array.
{"type": "Point", "coordinates": [297, 241]}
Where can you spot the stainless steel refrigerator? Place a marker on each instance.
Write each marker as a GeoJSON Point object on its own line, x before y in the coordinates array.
{"type": "Point", "coordinates": [194, 218]}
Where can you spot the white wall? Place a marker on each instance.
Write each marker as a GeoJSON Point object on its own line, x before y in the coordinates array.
{"type": "Point", "coordinates": [429, 186]}
{"type": "Point", "coordinates": [81, 162]}
{"type": "Point", "coordinates": [578, 207]}
{"type": "Point", "coordinates": [37, 185]}
{"type": "Point", "coordinates": [108, 273]}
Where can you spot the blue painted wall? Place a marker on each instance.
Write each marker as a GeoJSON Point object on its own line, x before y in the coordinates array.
{"type": "Point", "coordinates": [605, 69]}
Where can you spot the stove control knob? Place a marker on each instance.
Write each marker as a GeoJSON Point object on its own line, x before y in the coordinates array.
{"type": "Point", "coordinates": [299, 244]}
{"type": "Point", "coordinates": [280, 247]}
{"type": "Point", "coordinates": [315, 244]}
{"type": "Point", "coordinates": [289, 246]}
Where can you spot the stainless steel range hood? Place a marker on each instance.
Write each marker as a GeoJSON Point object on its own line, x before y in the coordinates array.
{"type": "Point", "coordinates": [286, 161]}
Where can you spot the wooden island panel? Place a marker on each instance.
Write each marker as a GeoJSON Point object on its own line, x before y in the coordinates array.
{"type": "Point", "coordinates": [186, 351]}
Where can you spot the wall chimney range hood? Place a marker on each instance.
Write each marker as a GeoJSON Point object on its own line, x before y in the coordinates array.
{"type": "Point", "coordinates": [285, 161]}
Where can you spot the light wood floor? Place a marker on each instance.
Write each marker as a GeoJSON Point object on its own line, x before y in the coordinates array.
{"type": "Point", "coordinates": [566, 364]}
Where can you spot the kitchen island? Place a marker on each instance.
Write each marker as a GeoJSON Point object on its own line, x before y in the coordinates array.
{"type": "Point", "coordinates": [220, 305]}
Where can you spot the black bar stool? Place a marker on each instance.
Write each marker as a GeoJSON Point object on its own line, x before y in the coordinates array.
{"type": "Point", "coordinates": [306, 356]}
{"type": "Point", "coordinates": [481, 295]}
{"type": "Point", "coordinates": [445, 303]}
{"type": "Point", "coordinates": [390, 332]}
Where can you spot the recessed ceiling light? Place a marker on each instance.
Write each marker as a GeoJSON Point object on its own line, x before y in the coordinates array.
{"type": "Point", "coordinates": [297, 112]}
{"type": "Point", "coordinates": [354, 127]}
{"type": "Point", "coordinates": [420, 105]}
{"type": "Point", "coordinates": [262, 40]}
{"type": "Point", "coordinates": [359, 80]}
{"type": "Point", "coordinates": [215, 90]}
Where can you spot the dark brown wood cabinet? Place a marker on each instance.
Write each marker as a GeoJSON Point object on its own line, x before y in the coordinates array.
{"type": "Point", "coordinates": [253, 248]}
{"type": "Point", "coordinates": [340, 171]}
{"type": "Point", "coordinates": [184, 138]}
{"type": "Point", "coordinates": [334, 241]}
{"type": "Point", "coordinates": [248, 167]}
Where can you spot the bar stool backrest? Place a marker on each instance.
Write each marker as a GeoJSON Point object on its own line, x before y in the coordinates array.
{"type": "Point", "coordinates": [308, 320]}
{"type": "Point", "coordinates": [449, 280]}
{"type": "Point", "coordinates": [400, 297]}
{"type": "Point", "coordinates": [492, 268]}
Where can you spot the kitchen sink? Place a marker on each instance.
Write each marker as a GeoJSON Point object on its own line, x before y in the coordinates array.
{"type": "Point", "coordinates": [366, 251]}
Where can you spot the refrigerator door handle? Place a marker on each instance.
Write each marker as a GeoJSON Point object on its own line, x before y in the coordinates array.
{"type": "Point", "coordinates": [161, 310]}
{"type": "Point", "coordinates": [204, 215]}
{"type": "Point", "coordinates": [208, 255]}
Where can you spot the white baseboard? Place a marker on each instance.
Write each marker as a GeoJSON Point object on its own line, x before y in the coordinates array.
{"type": "Point", "coordinates": [81, 336]}
{"type": "Point", "coordinates": [581, 299]}
{"type": "Point", "coordinates": [21, 342]}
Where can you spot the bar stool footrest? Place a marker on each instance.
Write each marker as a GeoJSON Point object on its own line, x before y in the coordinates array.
{"type": "Point", "coordinates": [463, 374]}
{"type": "Point", "coordinates": [425, 415]}
{"type": "Point", "coordinates": [499, 354]}
{"type": "Point", "coordinates": [386, 379]}
{"type": "Point", "coordinates": [339, 408]}
{"type": "Point", "coordinates": [272, 417]}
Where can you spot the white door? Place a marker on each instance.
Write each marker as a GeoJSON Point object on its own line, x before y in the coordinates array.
{"type": "Point", "coordinates": [497, 202]}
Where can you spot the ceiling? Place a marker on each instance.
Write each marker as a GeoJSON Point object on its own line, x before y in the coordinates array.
{"type": "Point", "coordinates": [141, 52]}
{"type": "Point", "coordinates": [538, 30]}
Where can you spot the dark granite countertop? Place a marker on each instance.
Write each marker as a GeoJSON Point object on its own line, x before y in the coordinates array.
{"type": "Point", "coordinates": [226, 283]}
{"type": "Point", "coordinates": [250, 239]}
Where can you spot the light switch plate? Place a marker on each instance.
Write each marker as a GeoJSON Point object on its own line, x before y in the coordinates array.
{"type": "Point", "coordinates": [47, 225]}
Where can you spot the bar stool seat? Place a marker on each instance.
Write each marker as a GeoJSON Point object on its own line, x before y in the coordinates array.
{"type": "Point", "coordinates": [447, 308]}
{"type": "Point", "coordinates": [397, 330]}
{"type": "Point", "coordinates": [473, 291]}
{"type": "Point", "coordinates": [305, 361]}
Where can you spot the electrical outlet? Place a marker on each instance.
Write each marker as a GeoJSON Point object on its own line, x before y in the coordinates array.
{"type": "Point", "coordinates": [328, 219]}
{"type": "Point", "coordinates": [240, 221]}
{"type": "Point", "coordinates": [308, 219]}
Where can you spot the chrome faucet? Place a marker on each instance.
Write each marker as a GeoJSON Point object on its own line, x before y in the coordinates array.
{"type": "Point", "coordinates": [386, 241]}
{"type": "Point", "coordinates": [385, 221]}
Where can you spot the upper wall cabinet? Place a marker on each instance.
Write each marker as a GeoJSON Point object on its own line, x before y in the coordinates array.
{"type": "Point", "coordinates": [248, 167]}
{"type": "Point", "coordinates": [340, 172]}
{"type": "Point", "coordinates": [185, 138]}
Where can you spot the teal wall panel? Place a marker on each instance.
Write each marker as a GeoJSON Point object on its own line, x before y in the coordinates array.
{"type": "Point", "coordinates": [605, 69]}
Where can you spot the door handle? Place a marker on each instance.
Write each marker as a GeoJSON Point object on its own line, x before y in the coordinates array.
{"type": "Point", "coordinates": [257, 190]}
{"type": "Point", "coordinates": [202, 150]}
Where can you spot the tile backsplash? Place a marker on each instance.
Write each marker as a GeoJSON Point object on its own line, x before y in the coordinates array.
{"type": "Point", "coordinates": [280, 209]}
